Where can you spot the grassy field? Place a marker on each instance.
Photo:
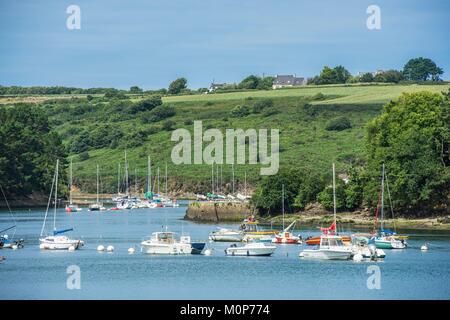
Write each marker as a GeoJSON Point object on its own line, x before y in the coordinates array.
{"type": "Point", "coordinates": [304, 140]}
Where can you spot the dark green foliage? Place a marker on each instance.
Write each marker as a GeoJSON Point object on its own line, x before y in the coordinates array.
{"type": "Point", "coordinates": [177, 86]}
{"type": "Point", "coordinates": [391, 76]}
{"type": "Point", "coordinates": [135, 89]}
{"type": "Point", "coordinates": [28, 150]}
{"type": "Point", "coordinates": [167, 125]}
{"type": "Point", "coordinates": [157, 114]}
{"type": "Point", "coordinates": [240, 111]}
{"type": "Point", "coordinates": [260, 105]}
{"type": "Point", "coordinates": [411, 137]}
{"type": "Point", "coordinates": [332, 76]}
{"type": "Point", "coordinates": [145, 105]}
{"type": "Point", "coordinates": [83, 156]}
{"type": "Point", "coordinates": [251, 82]}
{"type": "Point", "coordinates": [422, 69]}
{"type": "Point", "coordinates": [366, 77]}
{"type": "Point", "coordinates": [338, 124]}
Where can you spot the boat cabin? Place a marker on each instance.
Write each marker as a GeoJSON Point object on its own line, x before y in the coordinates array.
{"type": "Point", "coordinates": [331, 241]}
{"type": "Point", "coordinates": [164, 237]}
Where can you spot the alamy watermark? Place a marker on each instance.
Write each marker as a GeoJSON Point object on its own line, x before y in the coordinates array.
{"type": "Point", "coordinates": [374, 280]}
{"type": "Point", "coordinates": [74, 278]}
{"type": "Point", "coordinates": [189, 150]}
{"type": "Point", "coordinates": [373, 21]}
{"type": "Point", "coordinates": [73, 21]}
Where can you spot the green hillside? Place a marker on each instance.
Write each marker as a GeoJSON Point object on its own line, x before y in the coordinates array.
{"type": "Point", "coordinates": [300, 114]}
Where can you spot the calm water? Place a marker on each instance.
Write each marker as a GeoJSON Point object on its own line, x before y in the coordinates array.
{"type": "Point", "coordinates": [30, 273]}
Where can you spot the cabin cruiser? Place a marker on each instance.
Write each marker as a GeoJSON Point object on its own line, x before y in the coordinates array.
{"type": "Point", "coordinates": [251, 249]}
{"type": "Point", "coordinates": [226, 235]}
{"type": "Point", "coordinates": [331, 247]}
{"type": "Point", "coordinates": [165, 243]}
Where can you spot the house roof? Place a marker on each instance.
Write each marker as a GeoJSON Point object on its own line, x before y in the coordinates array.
{"type": "Point", "coordinates": [287, 80]}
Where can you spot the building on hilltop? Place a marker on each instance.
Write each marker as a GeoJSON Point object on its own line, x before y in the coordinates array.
{"type": "Point", "coordinates": [284, 81]}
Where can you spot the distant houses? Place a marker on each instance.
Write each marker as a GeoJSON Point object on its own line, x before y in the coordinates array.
{"type": "Point", "coordinates": [285, 81]}
{"type": "Point", "coordinates": [214, 86]}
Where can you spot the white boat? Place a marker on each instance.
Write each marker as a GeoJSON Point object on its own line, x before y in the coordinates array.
{"type": "Point", "coordinates": [368, 251]}
{"type": "Point", "coordinates": [331, 248]}
{"type": "Point", "coordinates": [71, 207]}
{"type": "Point", "coordinates": [251, 249]}
{"type": "Point", "coordinates": [226, 235]}
{"type": "Point", "coordinates": [165, 243]}
{"type": "Point", "coordinates": [57, 241]}
{"type": "Point", "coordinates": [97, 206]}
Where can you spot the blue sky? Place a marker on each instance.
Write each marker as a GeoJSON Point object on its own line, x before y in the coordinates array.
{"type": "Point", "coordinates": [149, 43]}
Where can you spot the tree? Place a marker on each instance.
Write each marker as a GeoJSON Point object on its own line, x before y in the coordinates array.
{"type": "Point", "coordinates": [421, 69]}
{"type": "Point", "coordinates": [392, 76]}
{"type": "Point", "coordinates": [366, 77]}
{"type": "Point", "coordinates": [145, 105]}
{"type": "Point", "coordinates": [411, 137]}
{"type": "Point", "coordinates": [135, 89]}
{"type": "Point", "coordinates": [332, 76]}
{"type": "Point", "coordinates": [250, 82]}
{"type": "Point", "coordinates": [177, 85]}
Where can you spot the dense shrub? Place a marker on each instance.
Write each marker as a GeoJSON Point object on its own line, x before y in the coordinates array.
{"type": "Point", "coordinates": [260, 105]}
{"type": "Point", "coordinates": [157, 114]}
{"type": "Point", "coordinates": [338, 124]}
{"type": "Point", "coordinates": [240, 111]}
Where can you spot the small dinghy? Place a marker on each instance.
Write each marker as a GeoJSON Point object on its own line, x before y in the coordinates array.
{"type": "Point", "coordinates": [251, 249]}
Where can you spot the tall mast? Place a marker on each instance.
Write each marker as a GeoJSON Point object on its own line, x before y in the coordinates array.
{"type": "Point", "coordinates": [334, 195]}
{"type": "Point", "coordinates": [232, 174]}
{"type": "Point", "coordinates": [56, 195]}
{"type": "Point", "coordinates": [135, 181]}
{"type": "Point", "coordinates": [245, 183]}
{"type": "Point", "coordinates": [166, 180]}
{"type": "Point", "coordinates": [126, 173]}
{"type": "Point", "coordinates": [282, 202]}
{"type": "Point", "coordinates": [97, 183]}
{"type": "Point", "coordinates": [212, 178]}
{"type": "Point", "coordinates": [158, 180]}
{"type": "Point", "coordinates": [118, 179]}
{"type": "Point", "coordinates": [382, 198]}
{"type": "Point", "coordinates": [149, 175]}
{"type": "Point", "coordinates": [70, 182]}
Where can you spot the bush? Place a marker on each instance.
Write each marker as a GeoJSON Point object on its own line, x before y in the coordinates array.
{"type": "Point", "coordinates": [338, 124]}
{"type": "Point", "coordinates": [145, 105]}
{"type": "Point", "coordinates": [240, 111]}
{"type": "Point", "coordinates": [84, 156]}
{"type": "Point", "coordinates": [157, 114]}
{"type": "Point", "coordinates": [168, 125]}
{"type": "Point", "coordinates": [188, 122]}
{"type": "Point", "coordinates": [260, 105]}
{"type": "Point", "coordinates": [270, 112]}
{"type": "Point", "coordinates": [318, 96]}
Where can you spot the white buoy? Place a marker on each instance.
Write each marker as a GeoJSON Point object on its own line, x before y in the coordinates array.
{"type": "Point", "coordinates": [42, 246]}
{"type": "Point", "coordinates": [101, 248]}
{"type": "Point", "coordinates": [131, 250]}
{"type": "Point", "coordinates": [72, 248]}
{"type": "Point", "coordinates": [424, 247]}
{"type": "Point", "coordinates": [110, 249]}
{"type": "Point", "coordinates": [358, 257]}
{"type": "Point", "coordinates": [207, 252]}
{"type": "Point", "coordinates": [14, 246]}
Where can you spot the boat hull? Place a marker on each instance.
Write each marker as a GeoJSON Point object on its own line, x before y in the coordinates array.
{"type": "Point", "coordinates": [386, 244]}
{"type": "Point", "coordinates": [322, 254]}
{"type": "Point", "coordinates": [197, 247]}
{"type": "Point", "coordinates": [65, 245]}
{"type": "Point", "coordinates": [251, 251]}
{"type": "Point", "coordinates": [166, 249]}
{"type": "Point", "coordinates": [226, 237]}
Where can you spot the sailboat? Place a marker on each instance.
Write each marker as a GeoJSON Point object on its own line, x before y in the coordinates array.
{"type": "Point", "coordinates": [386, 239]}
{"type": "Point", "coordinates": [285, 236]}
{"type": "Point", "coordinates": [331, 246]}
{"type": "Point", "coordinates": [97, 206]}
{"type": "Point", "coordinates": [71, 207]}
{"type": "Point", "coordinates": [5, 241]}
{"type": "Point", "coordinates": [57, 241]}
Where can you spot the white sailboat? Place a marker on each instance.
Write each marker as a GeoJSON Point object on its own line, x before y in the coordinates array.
{"type": "Point", "coordinates": [97, 206]}
{"type": "Point", "coordinates": [71, 207]}
{"type": "Point", "coordinates": [57, 241]}
{"type": "Point", "coordinates": [331, 246]}
{"type": "Point", "coordinates": [251, 249]}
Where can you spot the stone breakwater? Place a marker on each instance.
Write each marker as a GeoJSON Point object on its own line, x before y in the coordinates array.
{"type": "Point", "coordinates": [218, 211]}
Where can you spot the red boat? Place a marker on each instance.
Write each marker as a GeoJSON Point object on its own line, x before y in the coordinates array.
{"type": "Point", "coordinates": [286, 237]}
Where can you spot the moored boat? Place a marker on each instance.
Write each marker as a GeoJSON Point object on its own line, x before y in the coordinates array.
{"type": "Point", "coordinates": [251, 249]}
{"type": "Point", "coordinates": [226, 235]}
{"type": "Point", "coordinates": [197, 246]}
{"type": "Point", "coordinates": [165, 243]}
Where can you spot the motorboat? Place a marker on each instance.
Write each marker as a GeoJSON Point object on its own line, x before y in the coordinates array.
{"type": "Point", "coordinates": [384, 241]}
{"type": "Point", "coordinates": [73, 208]}
{"type": "Point", "coordinates": [331, 247]}
{"type": "Point", "coordinates": [360, 245]}
{"type": "Point", "coordinates": [6, 243]}
{"type": "Point", "coordinates": [57, 241]}
{"type": "Point", "coordinates": [96, 207]}
{"type": "Point", "coordinates": [251, 249]}
{"type": "Point", "coordinates": [197, 247]}
{"type": "Point", "coordinates": [226, 235]}
{"type": "Point", "coordinates": [252, 231]}
{"type": "Point", "coordinates": [165, 242]}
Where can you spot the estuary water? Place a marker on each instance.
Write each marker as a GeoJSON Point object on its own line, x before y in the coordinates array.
{"type": "Point", "coordinates": [31, 273]}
